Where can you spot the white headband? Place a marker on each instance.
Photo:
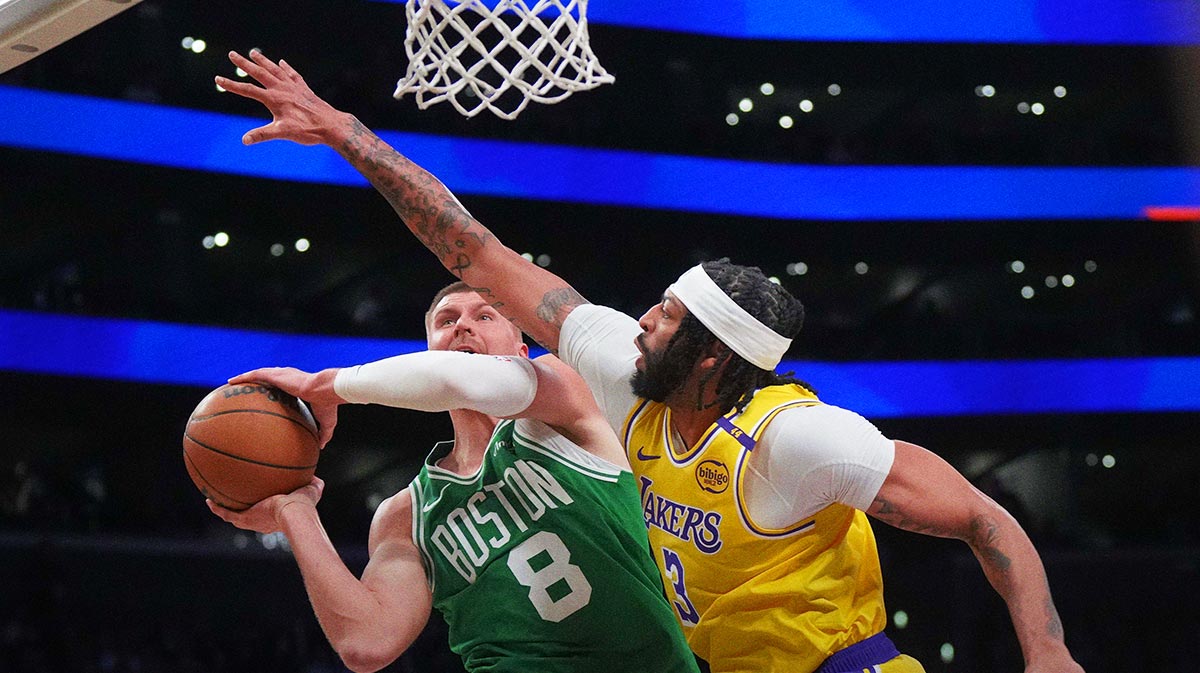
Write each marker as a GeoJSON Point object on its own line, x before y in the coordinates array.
{"type": "Point", "coordinates": [743, 333]}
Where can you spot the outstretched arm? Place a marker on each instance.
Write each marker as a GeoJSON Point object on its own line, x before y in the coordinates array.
{"type": "Point", "coordinates": [544, 389]}
{"type": "Point", "coordinates": [924, 494]}
{"type": "Point", "coordinates": [368, 621]}
{"type": "Point", "coordinates": [534, 299]}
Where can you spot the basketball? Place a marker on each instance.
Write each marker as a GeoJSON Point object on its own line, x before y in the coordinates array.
{"type": "Point", "coordinates": [246, 442]}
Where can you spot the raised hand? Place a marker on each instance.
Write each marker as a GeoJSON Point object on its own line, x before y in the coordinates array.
{"type": "Point", "coordinates": [298, 114]}
{"type": "Point", "coordinates": [315, 389]}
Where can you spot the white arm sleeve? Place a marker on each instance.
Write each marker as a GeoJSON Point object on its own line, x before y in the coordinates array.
{"type": "Point", "coordinates": [597, 342]}
{"type": "Point", "coordinates": [811, 457]}
{"type": "Point", "coordinates": [496, 385]}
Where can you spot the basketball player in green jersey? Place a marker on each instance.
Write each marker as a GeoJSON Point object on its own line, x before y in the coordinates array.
{"type": "Point", "coordinates": [756, 494]}
{"type": "Point", "coordinates": [526, 534]}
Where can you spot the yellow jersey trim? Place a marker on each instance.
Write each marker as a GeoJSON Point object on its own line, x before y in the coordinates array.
{"type": "Point", "coordinates": [743, 511]}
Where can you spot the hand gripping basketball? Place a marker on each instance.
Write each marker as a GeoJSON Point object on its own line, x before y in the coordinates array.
{"type": "Point", "coordinates": [315, 389]}
{"type": "Point", "coordinates": [264, 517]}
{"type": "Point", "coordinates": [247, 442]}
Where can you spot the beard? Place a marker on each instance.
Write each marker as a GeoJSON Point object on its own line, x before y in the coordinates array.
{"type": "Point", "coordinates": [663, 372]}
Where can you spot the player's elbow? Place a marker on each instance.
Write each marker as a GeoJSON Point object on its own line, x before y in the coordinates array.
{"type": "Point", "coordinates": [989, 524]}
{"type": "Point", "coordinates": [363, 660]}
{"type": "Point", "coordinates": [367, 655]}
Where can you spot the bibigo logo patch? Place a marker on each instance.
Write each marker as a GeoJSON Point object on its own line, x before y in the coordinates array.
{"type": "Point", "coordinates": [712, 476]}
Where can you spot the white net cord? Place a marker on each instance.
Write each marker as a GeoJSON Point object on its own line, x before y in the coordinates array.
{"type": "Point", "coordinates": [497, 58]}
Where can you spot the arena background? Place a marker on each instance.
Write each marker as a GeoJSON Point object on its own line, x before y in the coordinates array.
{"type": "Point", "coordinates": [929, 215]}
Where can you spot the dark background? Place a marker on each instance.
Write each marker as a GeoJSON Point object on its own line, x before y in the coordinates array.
{"type": "Point", "coordinates": [112, 562]}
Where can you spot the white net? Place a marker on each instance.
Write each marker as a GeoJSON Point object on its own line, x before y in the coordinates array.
{"type": "Point", "coordinates": [497, 57]}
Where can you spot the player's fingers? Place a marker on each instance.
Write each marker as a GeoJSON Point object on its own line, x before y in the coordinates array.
{"type": "Point", "coordinates": [245, 89]}
{"type": "Point", "coordinates": [289, 71]}
{"type": "Point", "coordinates": [268, 66]}
{"type": "Point", "coordinates": [268, 132]}
{"type": "Point", "coordinates": [243, 378]}
{"type": "Point", "coordinates": [325, 432]}
{"type": "Point", "coordinates": [218, 510]}
{"type": "Point", "coordinates": [309, 493]}
{"type": "Point", "coordinates": [254, 68]}
{"type": "Point", "coordinates": [254, 375]}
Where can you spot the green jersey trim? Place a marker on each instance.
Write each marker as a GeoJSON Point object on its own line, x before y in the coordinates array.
{"type": "Point", "coordinates": [418, 532]}
{"type": "Point", "coordinates": [442, 448]}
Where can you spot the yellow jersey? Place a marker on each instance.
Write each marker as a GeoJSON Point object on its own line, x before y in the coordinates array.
{"type": "Point", "coordinates": [750, 598]}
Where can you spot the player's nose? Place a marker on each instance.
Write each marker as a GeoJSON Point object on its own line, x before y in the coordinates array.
{"type": "Point", "coordinates": [644, 321]}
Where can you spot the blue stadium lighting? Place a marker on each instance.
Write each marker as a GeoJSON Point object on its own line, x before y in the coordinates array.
{"type": "Point", "coordinates": [165, 353]}
{"type": "Point", "coordinates": [208, 141]}
{"type": "Point", "coordinates": [1019, 21]}
{"type": "Point", "coordinates": [158, 352]}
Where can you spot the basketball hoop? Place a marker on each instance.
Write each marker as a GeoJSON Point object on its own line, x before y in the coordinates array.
{"type": "Point", "coordinates": [497, 58]}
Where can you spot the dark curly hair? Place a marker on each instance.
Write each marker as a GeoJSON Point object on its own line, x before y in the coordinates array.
{"type": "Point", "coordinates": [769, 302]}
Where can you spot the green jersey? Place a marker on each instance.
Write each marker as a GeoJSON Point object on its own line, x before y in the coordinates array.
{"type": "Point", "coordinates": [540, 561]}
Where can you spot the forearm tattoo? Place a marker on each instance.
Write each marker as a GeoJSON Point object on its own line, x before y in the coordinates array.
{"type": "Point", "coordinates": [888, 512]}
{"type": "Point", "coordinates": [421, 201]}
{"type": "Point", "coordinates": [984, 538]}
{"type": "Point", "coordinates": [437, 219]}
{"type": "Point", "coordinates": [983, 535]}
{"type": "Point", "coordinates": [490, 297]}
{"type": "Point", "coordinates": [557, 304]}
{"type": "Point", "coordinates": [1054, 625]}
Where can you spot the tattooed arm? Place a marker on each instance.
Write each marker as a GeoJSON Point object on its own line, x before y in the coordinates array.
{"type": "Point", "coordinates": [534, 299]}
{"type": "Point", "coordinates": [924, 494]}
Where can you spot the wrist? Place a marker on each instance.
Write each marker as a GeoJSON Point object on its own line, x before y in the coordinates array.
{"type": "Point", "coordinates": [1046, 652]}
{"type": "Point", "coordinates": [341, 127]}
{"type": "Point", "coordinates": [320, 388]}
{"type": "Point", "coordinates": [281, 512]}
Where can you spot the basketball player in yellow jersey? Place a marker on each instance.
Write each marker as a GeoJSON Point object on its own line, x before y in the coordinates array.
{"type": "Point", "coordinates": [785, 579]}
{"type": "Point", "coordinates": [756, 495]}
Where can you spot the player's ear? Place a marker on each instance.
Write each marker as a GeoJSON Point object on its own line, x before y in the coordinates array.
{"type": "Point", "coordinates": [715, 355]}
